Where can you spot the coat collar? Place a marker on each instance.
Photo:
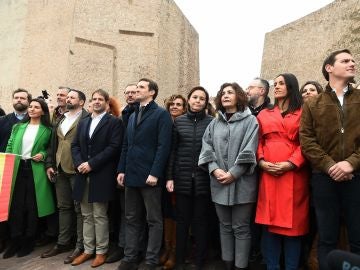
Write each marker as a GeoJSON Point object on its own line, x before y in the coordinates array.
{"type": "Point", "coordinates": [149, 109]}
{"type": "Point", "coordinates": [102, 122]}
{"type": "Point", "coordinates": [238, 116]}
{"type": "Point", "coordinates": [196, 115]}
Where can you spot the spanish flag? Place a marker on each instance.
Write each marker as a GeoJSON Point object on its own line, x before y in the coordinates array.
{"type": "Point", "coordinates": [7, 162]}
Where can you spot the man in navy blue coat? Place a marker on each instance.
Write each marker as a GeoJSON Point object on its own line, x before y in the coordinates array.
{"type": "Point", "coordinates": [141, 169]}
{"type": "Point", "coordinates": [95, 152]}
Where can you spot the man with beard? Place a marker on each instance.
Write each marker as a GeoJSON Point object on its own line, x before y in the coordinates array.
{"type": "Point", "coordinates": [61, 97]}
{"type": "Point", "coordinates": [21, 99]}
{"type": "Point", "coordinates": [130, 93]}
{"type": "Point", "coordinates": [51, 221]}
{"type": "Point", "coordinates": [60, 167]}
{"type": "Point", "coordinates": [257, 93]}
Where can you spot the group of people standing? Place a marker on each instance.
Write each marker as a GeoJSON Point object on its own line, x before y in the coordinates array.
{"type": "Point", "coordinates": [261, 166]}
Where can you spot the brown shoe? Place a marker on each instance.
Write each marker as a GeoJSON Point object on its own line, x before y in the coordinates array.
{"type": "Point", "coordinates": [76, 253]}
{"type": "Point", "coordinates": [82, 258]}
{"type": "Point", "coordinates": [170, 263]}
{"type": "Point", "coordinates": [99, 260]}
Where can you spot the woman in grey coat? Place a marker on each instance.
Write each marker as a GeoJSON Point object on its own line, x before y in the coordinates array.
{"type": "Point", "coordinates": [228, 152]}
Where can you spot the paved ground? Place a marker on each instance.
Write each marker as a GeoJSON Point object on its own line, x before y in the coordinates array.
{"type": "Point", "coordinates": [34, 262]}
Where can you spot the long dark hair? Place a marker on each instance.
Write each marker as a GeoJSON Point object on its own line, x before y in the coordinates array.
{"type": "Point", "coordinates": [293, 93]}
{"type": "Point", "coordinates": [45, 118]}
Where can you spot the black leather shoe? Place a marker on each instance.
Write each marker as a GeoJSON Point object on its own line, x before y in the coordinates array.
{"type": "Point", "coordinates": [148, 267]}
{"type": "Point", "coordinates": [57, 249]}
{"type": "Point", "coordinates": [116, 255]}
{"type": "Point", "coordinates": [76, 253]}
{"type": "Point", "coordinates": [2, 245]}
{"type": "Point", "coordinates": [27, 247]}
{"type": "Point", "coordinates": [11, 250]}
{"type": "Point", "coordinates": [127, 266]}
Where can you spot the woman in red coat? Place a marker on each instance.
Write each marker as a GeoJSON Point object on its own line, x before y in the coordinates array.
{"type": "Point", "coordinates": [283, 199]}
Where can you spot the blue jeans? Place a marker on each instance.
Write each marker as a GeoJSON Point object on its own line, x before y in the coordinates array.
{"type": "Point", "coordinates": [331, 200]}
{"type": "Point", "coordinates": [271, 249]}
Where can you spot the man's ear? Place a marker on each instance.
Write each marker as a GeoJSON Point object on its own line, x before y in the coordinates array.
{"type": "Point", "coordinates": [328, 68]}
{"type": "Point", "coordinates": [262, 91]}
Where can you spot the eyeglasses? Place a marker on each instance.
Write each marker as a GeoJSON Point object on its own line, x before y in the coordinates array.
{"type": "Point", "coordinates": [130, 93]}
{"type": "Point", "coordinates": [253, 86]}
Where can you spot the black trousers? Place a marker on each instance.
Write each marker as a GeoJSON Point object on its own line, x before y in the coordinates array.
{"type": "Point", "coordinates": [23, 215]}
{"type": "Point", "coordinates": [191, 210]}
{"type": "Point", "coordinates": [331, 199]}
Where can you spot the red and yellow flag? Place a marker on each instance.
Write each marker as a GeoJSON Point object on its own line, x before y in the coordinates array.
{"type": "Point", "coordinates": [7, 162]}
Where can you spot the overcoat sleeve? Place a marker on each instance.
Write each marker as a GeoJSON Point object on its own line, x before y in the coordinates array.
{"type": "Point", "coordinates": [246, 159]}
{"type": "Point", "coordinates": [163, 145]}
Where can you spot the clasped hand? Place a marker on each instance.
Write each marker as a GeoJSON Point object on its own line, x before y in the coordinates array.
{"type": "Point", "coordinates": [223, 177]}
{"type": "Point", "coordinates": [277, 168]}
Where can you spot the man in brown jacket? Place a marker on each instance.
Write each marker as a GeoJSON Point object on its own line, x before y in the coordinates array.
{"type": "Point", "coordinates": [61, 171]}
{"type": "Point", "coordinates": [330, 139]}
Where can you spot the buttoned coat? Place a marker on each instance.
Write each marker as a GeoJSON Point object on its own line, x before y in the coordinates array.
{"type": "Point", "coordinates": [231, 145]}
{"type": "Point", "coordinates": [44, 195]}
{"type": "Point", "coordinates": [283, 202]}
{"type": "Point", "coordinates": [102, 152]}
{"type": "Point", "coordinates": [146, 146]}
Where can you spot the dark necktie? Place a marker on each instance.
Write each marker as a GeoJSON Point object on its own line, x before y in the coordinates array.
{"type": "Point", "coordinates": [141, 110]}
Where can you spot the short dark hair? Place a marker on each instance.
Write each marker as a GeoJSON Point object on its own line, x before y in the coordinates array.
{"type": "Point", "coordinates": [293, 93]}
{"type": "Point", "coordinates": [170, 99]}
{"type": "Point", "coordinates": [317, 85]}
{"type": "Point", "coordinates": [81, 94]}
{"type": "Point", "coordinates": [103, 93]}
{"type": "Point", "coordinates": [201, 89]}
{"type": "Point", "coordinates": [330, 60]}
{"type": "Point", "coordinates": [265, 84]}
{"type": "Point", "coordinates": [152, 86]}
{"type": "Point", "coordinates": [241, 98]}
{"type": "Point", "coordinates": [22, 90]}
{"type": "Point", "coordinates": [45, 118]}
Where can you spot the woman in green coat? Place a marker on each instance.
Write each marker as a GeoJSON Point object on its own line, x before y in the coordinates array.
{"type": "Point", "coordinates": [31, 195]}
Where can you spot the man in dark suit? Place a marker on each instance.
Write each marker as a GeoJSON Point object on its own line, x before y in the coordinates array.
{"type": "Point", "coordinates": [141, 169]}
{"type": "Point", "coordinates": [61, 171]}
{"type": "Point", "coordinates": [21, 99]}
{"type": "Point", "coordinates": [95, 151]}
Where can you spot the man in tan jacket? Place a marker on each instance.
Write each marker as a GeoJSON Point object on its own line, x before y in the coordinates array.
{"type": "Point", "coordinates": [61, 171]}
{"type": "Point", "coordinates": [330, 139]}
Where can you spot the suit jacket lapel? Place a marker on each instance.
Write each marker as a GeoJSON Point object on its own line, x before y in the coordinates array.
{"type": "Point", "coordinates": [102, 122]}
{"type": "Point", "coordinates": [147, 112]}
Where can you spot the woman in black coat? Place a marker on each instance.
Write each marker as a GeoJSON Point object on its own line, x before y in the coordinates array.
{"type": "Point", "coordinates": [187, 180]}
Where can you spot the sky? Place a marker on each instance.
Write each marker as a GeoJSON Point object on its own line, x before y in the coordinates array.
{"type": "Point", "coordinates": [232, 32]}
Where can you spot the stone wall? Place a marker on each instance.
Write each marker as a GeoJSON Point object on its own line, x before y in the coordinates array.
{"type": "Point", "coordinates": [95, 44]}
{"type": "Point", "coordinates": [300, 47]}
